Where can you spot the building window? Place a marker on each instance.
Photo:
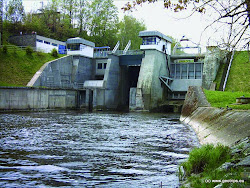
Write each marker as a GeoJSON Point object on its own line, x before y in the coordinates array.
{"type": "Point", "coordinates": [99, 66]}
{"type": "Point", "coordinates": [73, 47]}
{"type": "Point", "coordinates": [198, 69]}
{"type": "Point", "coordinates": [46, 42]}
{"type": "Point", "coordinates": [191, 71]}
{"type": "Point", "coordinates": [150, 40]}
{"type": "Point", "coordinates": [105, 65]}
{"type": "Point", "coordinates": [178, 71]}
{"type": "Point", "coordinates": [184, 71]}
{"type": "Point", "coordinates": [54, 44]}
{"type": "Point", "coordinates": [38, 40]}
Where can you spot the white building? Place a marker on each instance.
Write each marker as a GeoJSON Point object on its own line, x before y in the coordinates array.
{"type": "Point", "coordinates": [46, 45]}
{"type": "Point", "coordinates": [155, 40]}
{"type": "Point", "coordinates": [79, 46]}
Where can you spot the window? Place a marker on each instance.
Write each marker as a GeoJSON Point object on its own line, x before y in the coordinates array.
{"type": "Point", "coordinates": [184, 71]}
{"type": "Point", "coordinates": [191, 71]}
{"type": "Point", "coordinates": [178, 71]}
{"type": "Point", "coordinates": [172, 70]}
{"type": "Point", "coordinates": [46, 42]}
{"type": "Point", "coordinates": [54, 44]}
{"type": "Point", "coordinates": [38, 40]}
{"type": "Point", "coordinates": [105, 65]}
{"type": "Point", "coordinates": [198, 71]}
{"type": "Point", "coordinates": [149, 40]}
{"type": "Point", "coordinates": [73, 47]}
{"type": "Point", "coordinates": [99, 66]}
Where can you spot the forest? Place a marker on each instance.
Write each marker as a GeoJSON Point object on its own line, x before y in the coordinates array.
{"type": "Point", "coordinates": [94, 20]}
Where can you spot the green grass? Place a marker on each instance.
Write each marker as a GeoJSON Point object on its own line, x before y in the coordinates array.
{"type": "Point", "coordinates": [203, 164]}
{"type": "Point", "coordinates": [206, 158]}
{"type": "Point", "coordinates": [239, 76]}
{"type": "Point", "coordinates": [224, 99]}
{"type": "Point", "coordinates": [17, 68]}
{"type": "Point", "coordinates": [219, 75]}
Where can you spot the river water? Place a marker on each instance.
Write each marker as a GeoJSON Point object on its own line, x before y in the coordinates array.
{"type": "Point", "coordinates": [77, 149]}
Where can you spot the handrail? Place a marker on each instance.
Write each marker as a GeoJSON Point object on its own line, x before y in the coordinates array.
{"type": "Point", "coordinates": [127, 47]}
{"type": "Point", "coordinates": [13, 47]}
{"type": "Point", "coordinates": [116, 47]}
{"type": "Point", "coordinates": [228, 69]}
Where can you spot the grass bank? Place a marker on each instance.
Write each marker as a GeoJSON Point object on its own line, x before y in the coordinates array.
{"type": "Point", "coordinates": [239, 76]}
{"type": "Point", "coordinates": [223, 99]}
{"type": "Point", "coordinates": [17, 68]}
{"type": "Point", "coordinates": [211, 165]}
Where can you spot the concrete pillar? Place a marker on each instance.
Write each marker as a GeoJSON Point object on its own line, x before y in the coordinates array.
{"type": "Point", "coordinates": [149, 87]}
{"type": "Point", "coordinates": [213, 58]}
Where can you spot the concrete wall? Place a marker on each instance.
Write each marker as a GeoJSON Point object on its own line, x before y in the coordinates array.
{"type": "Point", "coordinates": [23, 40]}
{"type": "Point", "coordinates": [12, 98]}
{"type": "Point", "coordinates": [149, 87]}
{"type": "Point", "coordinates": [112, 80]}
{"type": "Point", "coordinates": [214, 56]}
{"type": "Point", "coordinates": [64, 72]}
{"type": "Point", "coordinates": [100, 61]}
{"type": "Point", "coordinates": [214, 125]}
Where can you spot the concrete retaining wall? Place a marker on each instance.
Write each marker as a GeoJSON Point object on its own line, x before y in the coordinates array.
{"type": "Point", "coordinates": [13, 98]}
{"type": "Point", "coordinates": [214, 125]}
{"type": "Point", "coordinates": [64, 72]}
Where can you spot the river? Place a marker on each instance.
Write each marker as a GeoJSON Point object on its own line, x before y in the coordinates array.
{"type": "Point", "coordinates": [105, 149]}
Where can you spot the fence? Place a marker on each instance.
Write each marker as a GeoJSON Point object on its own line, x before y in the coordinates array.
{"type": "Point", "coordinates": [16, 48]}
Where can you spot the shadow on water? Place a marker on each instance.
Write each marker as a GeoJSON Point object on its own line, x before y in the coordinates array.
{"type": "Point", "coordinates": [103, 149]}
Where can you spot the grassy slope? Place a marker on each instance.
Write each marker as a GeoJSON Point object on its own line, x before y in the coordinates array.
{"type": "Point", "coordinates": [239, 77]}
{"type": "Point", "coordinates": [226, 98]}
{"type": "Point", "coordinates": [16, 69]}
{"type": "Point", "coordinates": [238, 83]}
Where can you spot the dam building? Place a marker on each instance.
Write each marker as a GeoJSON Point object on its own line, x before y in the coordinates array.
{"type": "Point", "coordinates": [124, 79]}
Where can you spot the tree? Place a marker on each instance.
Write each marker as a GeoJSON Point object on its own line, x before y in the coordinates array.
{"type": "Point", "coordinates": [103, 22]}
{"type": "Point", "coordinates": [129, 29]}
{"type": "Point", "coordinates": [15, 11]}
{"type": "Point", "coordinates": [234, 14]}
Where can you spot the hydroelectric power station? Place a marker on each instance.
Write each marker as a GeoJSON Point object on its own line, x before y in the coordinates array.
{"type": "Point", "coordinates": [103, 78]}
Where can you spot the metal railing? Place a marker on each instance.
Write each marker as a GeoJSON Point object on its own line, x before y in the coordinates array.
{"type": "Point", "coordinates": [118, 52]}
{"type": "Point", "coordinates": [16, 48]}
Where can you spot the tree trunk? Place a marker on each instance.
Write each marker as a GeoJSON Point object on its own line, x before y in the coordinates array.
{"type": "Point", "coordinates": [248, 10]}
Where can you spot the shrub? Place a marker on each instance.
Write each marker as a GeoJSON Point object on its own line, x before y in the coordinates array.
{"type": "Point", "coordinates": [39, 54]}
{"type": "Point", "coordinates": [54, 52]}
{"type": "Point", "coordinates": [29, 50]}
{"type": "Point", "coordinates": [5, 49]}
{"type": "Point", "coordinates": [206, 158]}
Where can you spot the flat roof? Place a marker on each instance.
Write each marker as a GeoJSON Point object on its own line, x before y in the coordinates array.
{"type": "Point", "coordinates": [50, 40]}
{"type": "Point", "coordinates": [154, 33]}
{"type": "Point", "coordinates": [79, 40]}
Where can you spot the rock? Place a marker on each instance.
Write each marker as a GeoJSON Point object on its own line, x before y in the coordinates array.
{"type": "Point", "coordinates": [244, 162]}
{"type": "Point", "coordinates": [218, 186]}
{"type": "Point", "coordinates": [226, 166]}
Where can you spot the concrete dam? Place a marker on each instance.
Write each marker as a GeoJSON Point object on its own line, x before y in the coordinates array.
{"type": "Point", "coordinates": [98, 78]}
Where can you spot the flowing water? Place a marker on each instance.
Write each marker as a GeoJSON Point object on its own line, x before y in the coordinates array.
{"type": "Point", "coordinates": [73, 149]}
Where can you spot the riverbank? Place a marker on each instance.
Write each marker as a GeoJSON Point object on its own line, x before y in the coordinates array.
{"type": "Point", "coordinates": [223, 126]}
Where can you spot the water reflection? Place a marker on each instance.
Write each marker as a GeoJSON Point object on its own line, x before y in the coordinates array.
{"type": "Point", "coordinates": [92, 149]}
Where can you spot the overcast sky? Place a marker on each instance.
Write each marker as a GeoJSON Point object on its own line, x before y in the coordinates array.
{"type": "Point", "coordinates": [156, 17]}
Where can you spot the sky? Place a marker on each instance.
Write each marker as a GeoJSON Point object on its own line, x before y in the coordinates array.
{"type": "Point", "coordinates": [156, 17]}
